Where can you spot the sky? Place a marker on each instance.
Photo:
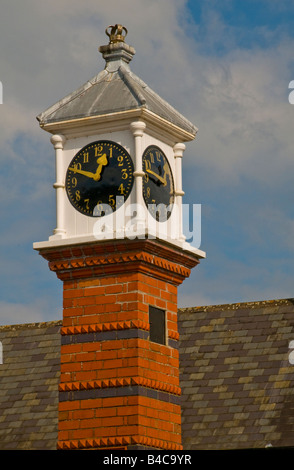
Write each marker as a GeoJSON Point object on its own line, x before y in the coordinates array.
{"type": "Point", "coordinates": [226, 66]}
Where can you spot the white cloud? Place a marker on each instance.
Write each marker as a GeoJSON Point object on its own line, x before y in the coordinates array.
{"type": "Point", "coordinates": [244, 118]}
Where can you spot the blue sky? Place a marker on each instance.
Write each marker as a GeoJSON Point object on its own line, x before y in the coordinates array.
{"type": "Point", "coordinates": [226, 66]}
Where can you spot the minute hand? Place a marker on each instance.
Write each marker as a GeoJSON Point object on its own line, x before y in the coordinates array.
{"type": "Point", "coordinates": [102, 161]}
{"type": "Point", "coordinates": [89, 174]}
{"type": "Point", "coordinates": [160, 178]}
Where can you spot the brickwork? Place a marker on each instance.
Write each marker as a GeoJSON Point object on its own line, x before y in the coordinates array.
{"type": "Point", "coordinates": [118, 388]}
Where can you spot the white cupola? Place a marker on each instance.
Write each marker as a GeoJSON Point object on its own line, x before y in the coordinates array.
{"type": "Point", "coordinates": [118, 110]}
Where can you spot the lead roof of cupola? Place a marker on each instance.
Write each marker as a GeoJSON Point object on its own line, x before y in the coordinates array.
{"type": "Point", "coordinates": [115, 89]}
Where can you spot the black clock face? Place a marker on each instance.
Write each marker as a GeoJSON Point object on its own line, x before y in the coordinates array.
{"type": "Point", "coordinates": [99, 178]}
{"type": "Point", "coordinates": [158, 183]}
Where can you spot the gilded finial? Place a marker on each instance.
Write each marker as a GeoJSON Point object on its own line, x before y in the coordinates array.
{"type": "Point", "coordinates": [116, 33]}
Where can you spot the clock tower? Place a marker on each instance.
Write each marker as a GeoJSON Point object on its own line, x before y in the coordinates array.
{"type": "Point", "coordinates": [119, 249]}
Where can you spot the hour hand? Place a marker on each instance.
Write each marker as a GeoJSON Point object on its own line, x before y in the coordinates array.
{"type": "Point", "coordinates": [160, 178]}
{"type": "Point", "coordinates": [102, 161]}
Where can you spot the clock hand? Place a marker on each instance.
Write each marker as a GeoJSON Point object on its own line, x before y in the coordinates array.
{"type": "Point", "coordinates": [89, 174]}
{"type": "Point", "coordinates": [102, 161]}
{"type": "Point", "coordinates": [166, 170]}
{"type": "Point", "coordinates": [160, 178]}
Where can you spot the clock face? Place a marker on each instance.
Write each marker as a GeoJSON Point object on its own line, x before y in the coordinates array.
{"type": "Point", "coordinates": [99, 178]}
{"type": "Point", "coordinates": [158, 183]}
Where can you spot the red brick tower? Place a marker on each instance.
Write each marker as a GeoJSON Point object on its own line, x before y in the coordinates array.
{"type": "Point", "coordinates": [120, 252]}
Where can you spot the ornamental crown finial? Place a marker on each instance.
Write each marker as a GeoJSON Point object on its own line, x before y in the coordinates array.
{"type": "Point", "coordinates": [116, 33]}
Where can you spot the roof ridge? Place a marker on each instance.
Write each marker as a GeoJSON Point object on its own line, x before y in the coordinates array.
{"type": "Point", "coordinates": [237, 305]}
{"type": "Point", "coordinates": [132, 85]}
{"type": "Point", "coordinates": [31, 325]}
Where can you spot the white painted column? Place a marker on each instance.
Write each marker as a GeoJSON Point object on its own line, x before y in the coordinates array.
{"type": "Point", "coordinates": [137, 128]}
{"type": "Point", "coordinates": [58, 141]}
{"type": "Point", "coordinates": [179, 193]}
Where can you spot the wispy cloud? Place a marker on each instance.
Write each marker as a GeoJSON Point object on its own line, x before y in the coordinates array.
{"type": "Point", "coordinates": [13, 313]}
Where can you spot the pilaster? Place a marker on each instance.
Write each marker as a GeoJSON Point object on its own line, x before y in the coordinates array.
{"type": "Point", "coordinates": [137, 128]}
{"type": "Point", "coordinates": [58, 142]}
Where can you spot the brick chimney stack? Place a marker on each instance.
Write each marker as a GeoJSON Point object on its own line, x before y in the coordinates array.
{"type": "Point", "coordinates": [118, 388]}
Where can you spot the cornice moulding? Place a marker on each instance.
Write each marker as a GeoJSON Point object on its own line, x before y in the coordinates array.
{"type": "Point", "coordinates": [156, 125]}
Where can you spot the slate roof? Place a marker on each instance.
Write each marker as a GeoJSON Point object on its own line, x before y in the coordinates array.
{"type": "Point", "coordinates": [115, 89]}
{"type": "Point", "coordinates": [29, 379]}
{"type": "Point", "coordinates": [236, 378]}
{"type": "Point", "coordinates": [235, 373]}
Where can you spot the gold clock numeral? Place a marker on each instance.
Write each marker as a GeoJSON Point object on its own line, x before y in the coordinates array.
{"type": "Point", "coordinates": [98, 150]}
{"type": "Point", "coordinates": [158, 157]}
{"type": "Point", "coordinates": [147, 165]}
{"type": "Point", "coordinates": [86, 157]}
{"type": "Point", "coordinates": [111, 200]}
{"type": "Point", "coordinates": [120, 160]}
{"type": "Point", "coordinates": [151, 157]}
{"type": "Point", "coordinates": [74, 182]}
{"type": "Point", "coordinates": [121, 189]}
{"type": "Point", "coordinates": [87, 203]}
{"type": "Point", "coordinates": [99, 206]}
{"type": "Point", "coordinates": [78, 195]}
{"type": "Point", "coordinates": [148, 191]}
{"type": "Point", "coordinates": [124, 174]}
